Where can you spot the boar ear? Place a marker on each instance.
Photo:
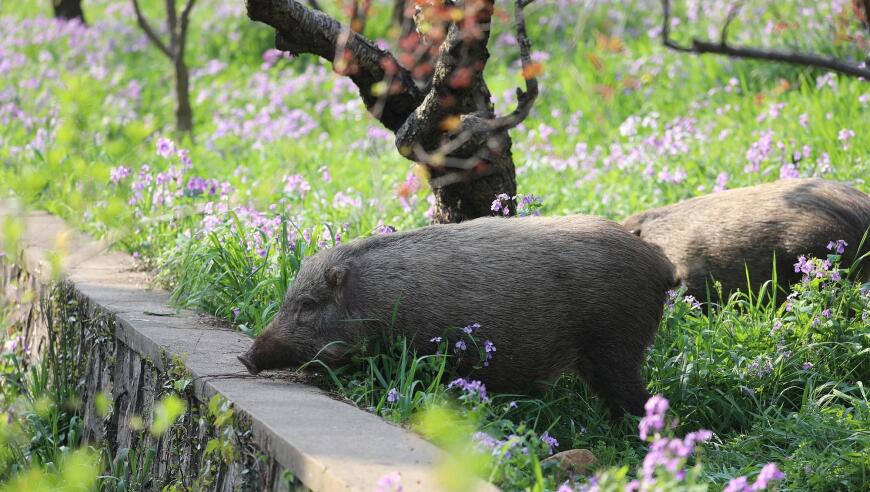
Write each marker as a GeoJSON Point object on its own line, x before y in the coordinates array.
{"type": "Point", "coordinates": [335, 276]}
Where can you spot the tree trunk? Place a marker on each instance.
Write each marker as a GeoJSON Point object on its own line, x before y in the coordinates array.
{"type": "Point", "coordinates": [470, 200]}
{"type": "Point", "coordinates": [470, 164]}
{"type": "Point", "coordinates": [68, 9]}
{"type": "Point", "coordinates": [183, 112]}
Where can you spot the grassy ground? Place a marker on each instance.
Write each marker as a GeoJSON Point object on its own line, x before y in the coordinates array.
{"type": "Point", "coordinates": [286, 161]}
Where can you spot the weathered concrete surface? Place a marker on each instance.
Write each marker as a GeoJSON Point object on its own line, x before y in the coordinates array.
{"type": "Point", "coordinates": [326, 444]}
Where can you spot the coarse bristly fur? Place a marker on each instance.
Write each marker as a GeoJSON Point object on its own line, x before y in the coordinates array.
{"type": "Point", "coordinates": [719, 236]}
{"type": "Point", "coordinates": [553, 295]}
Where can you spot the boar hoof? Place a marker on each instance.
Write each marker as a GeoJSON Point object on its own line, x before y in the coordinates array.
{"type": "Point", "coordinates": [249, 365]}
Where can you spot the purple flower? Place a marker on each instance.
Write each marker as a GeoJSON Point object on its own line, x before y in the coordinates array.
{"type": "Point", "coordinates": [184, 156]}
{"type": "Point", "coordinates": [802, 265]}
{"type": "Point", "coordinates": [761, 367]}
{"type": "Point", "coordinates": [839, 246]}
{"type": "Point", "coordinates": [758, 152]}
{"type": "Point", "coordinates": [324, 174]}
{"type": "Point", "coordinates": [460, 346]}
{"type": "Point", "coordinates": [471, 328]}
{"type": "Point", "coordinates": [499, 206]}
{"type": "Point", "coordinates": [739, 484]}
{"type": "Point", "coordinates": [165, 147]}
{"type": "Point", "coordinates": [484, 440]}
{"type": "Point", "coordinates": [393, 395]}
{"type": "Point", "coordinates": [806, 366]}
{"type": "Point", "coordinates": [692, 301]}
{"type": "Point", "coordinates": [768, 474]}
{"type": "Point", "coordinates": [435, 340]}
{"type": "Point", "coordinates": [656, 405]}
{"type": "Point", "coordinates": [789, 171]}
{"type": "Point", "coordinates": [488, 349]}
{"type": "Point", "coordinates": [470, 387]}
{"type": "Point", "coordinates": [649, 425]}
{"type": "Point", "coordinates": [777, 325]}
{"type": "Point", "coordinates": [344, 200]}
{"type": "Point", "coordinates": [721, 182]}
{"type": "Point", "coordinates": [119, 173]}
{"type": "Point", "coordinates": [826, 313]}
{"type": "Point", "coordinates": [382, 229]}
{"type": "Point", "coordinates": [656, 408]}
{"type": "Point", "coordinates": [529, 205]}
{"type": "Point", "coordinates": [672, 297]}
{"type": "Point", "coordinates": [296, 183]}
{"type": "Point", "coordinates": [844, 136]}
{"type": "Point", "coordinates": [391, 482]}
{"type": "Point", "coordinates": [550, 441]}
{"type": "Point", "coordinates": [804, 119]}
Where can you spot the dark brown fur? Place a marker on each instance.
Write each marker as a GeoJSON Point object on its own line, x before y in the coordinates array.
{"type": "Point", "coordinates": [718, 235]}
{"type": "Point", "coordinates": [554, 295]}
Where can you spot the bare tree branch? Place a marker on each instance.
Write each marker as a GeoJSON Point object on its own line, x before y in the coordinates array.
{"type": "Point", "coordinates": [149, 31]}
{"type": "Point", "coordinates": [185, 23]}
{"type": "Point", "coordinates": [172, 26]}
{"type": "Point", "coordinates": [722, 48]}
{"type": "Point", "coordinates": [302, 30]}
{"type": "Point", "coordinates": [732, 14]}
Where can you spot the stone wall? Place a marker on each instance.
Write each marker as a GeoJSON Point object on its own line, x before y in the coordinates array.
{"type": "Point", "coordinates": [125, 347]}
{"type": "Point", "coordinates": [57, 317]}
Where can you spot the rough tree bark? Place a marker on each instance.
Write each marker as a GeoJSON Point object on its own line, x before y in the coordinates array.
{"type": "Point", "coordinates": [68, 9]}
{"type": "Point", "coordinates": [174, 50]}
{"type": "Point", "coordinates": [447, 122]}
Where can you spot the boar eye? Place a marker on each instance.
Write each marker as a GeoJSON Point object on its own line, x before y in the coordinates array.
{"type": "Point", "coordinates": [307, 308]}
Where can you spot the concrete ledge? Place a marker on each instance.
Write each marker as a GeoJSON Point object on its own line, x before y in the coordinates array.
{"type": "Point", "coordinates": [327, 444]}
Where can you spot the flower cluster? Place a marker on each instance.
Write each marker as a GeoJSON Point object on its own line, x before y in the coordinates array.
{"type": "Point", "coordinates": [761, 367]}
{"type": "Point", "coordinates": [769, 473]}
{"type": "Point", "coordinates": [816, 268]}
{"type": "Point", "coordinates": [471, 388]}
{"type": "Point", "coordinates": [654, 420]}
{"type": "Point", "coordinates": [501, 204]}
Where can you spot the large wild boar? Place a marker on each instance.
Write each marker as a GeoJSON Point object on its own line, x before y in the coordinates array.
{"type": "Point", "coordinates": [552, 294]}
{"type": "Point", "coordinates": [721, 235]}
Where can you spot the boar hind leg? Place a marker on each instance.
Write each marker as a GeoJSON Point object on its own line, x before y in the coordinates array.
{"type": "Point", "coordinates": [615, 376]}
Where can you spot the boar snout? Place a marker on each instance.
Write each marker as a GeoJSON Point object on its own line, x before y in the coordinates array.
{"type": "Point", "coordinates": [249, 364]}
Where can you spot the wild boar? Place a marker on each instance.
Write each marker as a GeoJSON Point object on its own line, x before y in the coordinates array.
{"type": "Point", "coordinates": [552, 295]}
{"type": "Point", "coordinates": [719, 236]}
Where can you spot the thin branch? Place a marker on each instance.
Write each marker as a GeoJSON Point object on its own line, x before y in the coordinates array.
{"type": "Point", "coordinates": [172, 26]}
{"type": "Point", "coordinates": [185, 23]}
{"type": "Point", "coordinates": [525, 100]}
{"type": "Point", "coordinates": [149, 32]}
{"type": "Point", "coordinates": [721, 48]}
{"type": "Point", "coordinates": [732, 14]}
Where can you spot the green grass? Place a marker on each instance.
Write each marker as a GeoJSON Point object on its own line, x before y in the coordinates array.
{"type": "Point", "coordinates": [698, 116]}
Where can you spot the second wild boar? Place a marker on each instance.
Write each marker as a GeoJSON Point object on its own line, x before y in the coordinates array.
{"type": "Point", "coordinates": [721, 235]}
